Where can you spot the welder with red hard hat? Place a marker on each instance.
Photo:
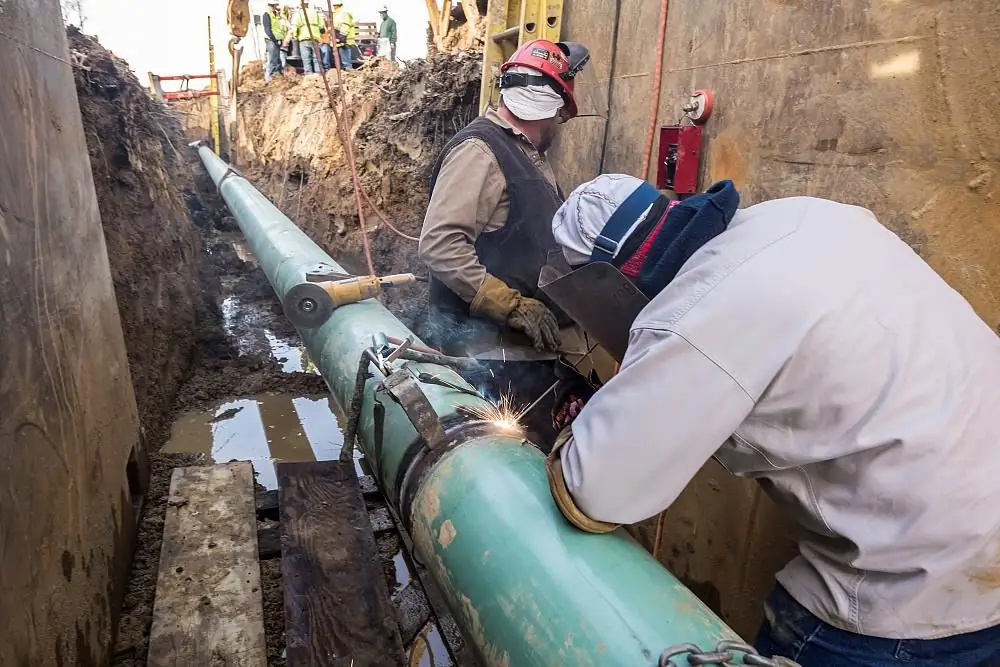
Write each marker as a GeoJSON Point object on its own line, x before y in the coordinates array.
{"type": "Point", "coordinates": [487, 231]}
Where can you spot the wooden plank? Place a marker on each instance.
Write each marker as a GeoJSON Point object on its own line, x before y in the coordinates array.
{"type": "Point", "coordinates": [208, 608]}
{"type": "Point", "coordinates": [337, 607]}
{"type": "Point", "coordinates": [267, 501]}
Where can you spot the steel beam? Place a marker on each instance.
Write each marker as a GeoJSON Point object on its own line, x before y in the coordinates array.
{"type": "Point", "coordinates": [526, 587]}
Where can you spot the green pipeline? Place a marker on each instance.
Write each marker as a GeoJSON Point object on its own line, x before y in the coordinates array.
{"type": "Point", "coordinates": [526, 587]}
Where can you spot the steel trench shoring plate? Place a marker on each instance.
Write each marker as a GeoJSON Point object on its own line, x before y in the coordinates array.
{"type": "Point", "coordinates": [405, 390]}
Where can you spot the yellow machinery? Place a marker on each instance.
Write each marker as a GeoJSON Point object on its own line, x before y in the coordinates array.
{"type": "Point", "coordinates": [510, 23]}
{"type": "Point", "coordinates": [213, 100]}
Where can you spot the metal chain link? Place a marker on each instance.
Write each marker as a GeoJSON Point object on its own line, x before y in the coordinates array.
{"type": "Point", "coordinates": [724, 654]}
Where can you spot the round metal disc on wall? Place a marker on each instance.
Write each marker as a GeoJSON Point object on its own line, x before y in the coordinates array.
{"type": "Point", "coordinates": [701, 104]}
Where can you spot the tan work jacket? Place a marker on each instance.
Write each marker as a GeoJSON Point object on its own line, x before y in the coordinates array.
{"type": "Point", "coordinates": [469, 198]}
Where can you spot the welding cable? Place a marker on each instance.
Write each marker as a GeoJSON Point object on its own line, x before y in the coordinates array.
{"type": "Point", "coordinates": [654, 104]}
{"type": "Point", "coordinates": [345, 139]}
{"type": "Point", "coordinates": [465, 363]}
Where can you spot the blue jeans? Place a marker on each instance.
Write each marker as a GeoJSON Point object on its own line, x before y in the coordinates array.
{"type": "Point", "coordinates": [346, 62]}
{"type": "Point", "coordinates": [308, 55]}
{"type": "Point", "coordinates": [326, 52]}
{"type": "Point", "coordinates": [797, 634]}
{"type": "Point", "coordinates": [275, 60]}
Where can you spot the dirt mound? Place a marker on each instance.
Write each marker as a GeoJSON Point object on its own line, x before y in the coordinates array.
{"type": "Point", "coordinates": [134, 154]}
{"type": "Point", "coordinates": [402, 117]}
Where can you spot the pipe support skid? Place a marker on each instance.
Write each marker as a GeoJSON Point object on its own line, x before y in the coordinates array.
{"type": "Point", "coordinates": [526, 587]}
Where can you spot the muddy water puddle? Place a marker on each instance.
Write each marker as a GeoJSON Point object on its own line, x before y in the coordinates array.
{"type": "Point", "coordinates": [273, 427]}
{"type": "Point", "coordinates": [252, 326]}
{"type": "Point", "coordinates": [429, 649]}
{"type": "Point", "coordinates": [263, 429]}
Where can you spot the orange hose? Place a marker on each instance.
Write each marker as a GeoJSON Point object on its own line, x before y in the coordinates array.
{"type": "Point", "coordinates": [658, 539]}
{"type": "Point", "coordinates": [345, 137]}
{"type": "Point", "coordinates": [386, 221]}
{"type": "Point", "coordinates": [348, 144]}
{"type": "Point", "coordinates": [654, 104]}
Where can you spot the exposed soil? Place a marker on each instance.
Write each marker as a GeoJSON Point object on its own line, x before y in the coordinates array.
{"type": "Point", "coordinates": [164, 226]}
{"type": "Point", "coordinates": [170, 244]}
{"type": "Point", "coordinates": [151, 244]}
{"type": "Point", "coordinates": [289, 146]}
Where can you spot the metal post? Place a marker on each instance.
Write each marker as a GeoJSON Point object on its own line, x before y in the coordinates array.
{"type": "Point", "coordinates": [526, 587]}
{"type": "Point", "coordinates": [213, 86]}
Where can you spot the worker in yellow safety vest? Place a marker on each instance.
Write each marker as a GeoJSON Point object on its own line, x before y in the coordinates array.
{"type": "Point", "coordinates": [304, 22]}
{"type": "Point", "coordinates": [346, 32]}
{"type": "Point", "coordinates": [275, 30]}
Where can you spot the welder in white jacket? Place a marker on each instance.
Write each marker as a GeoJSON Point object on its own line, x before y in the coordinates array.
{"type": "Point", "coordinates": [801, 343]}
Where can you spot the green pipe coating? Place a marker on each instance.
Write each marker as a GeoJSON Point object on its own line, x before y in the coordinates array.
{"type": "Point", "coordinates": [526, 587]}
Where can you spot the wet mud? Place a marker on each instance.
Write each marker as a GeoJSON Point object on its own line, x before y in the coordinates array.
{"type": "Point", "coordinates": [153, 249]}
{"type": "Point", "coordinates": [219, 373]}
{"type": "Point", "coordinates": [289, 146]}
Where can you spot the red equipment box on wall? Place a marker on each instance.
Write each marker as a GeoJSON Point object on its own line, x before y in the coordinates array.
{"type": "Point", "coordinates": [680, 158]}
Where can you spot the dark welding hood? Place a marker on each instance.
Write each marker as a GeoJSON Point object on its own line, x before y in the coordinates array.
{"type": "Point", "coordinates": [597, 296]}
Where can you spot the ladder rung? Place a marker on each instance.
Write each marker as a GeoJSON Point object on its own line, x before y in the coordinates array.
{"type": "Point", "coordinates": [509, 33]}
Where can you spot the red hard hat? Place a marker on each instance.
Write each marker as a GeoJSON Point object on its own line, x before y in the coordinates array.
{"type": "Point", "coordinates": [558, 62]}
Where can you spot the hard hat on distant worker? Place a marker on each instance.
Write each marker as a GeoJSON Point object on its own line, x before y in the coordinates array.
{"type": "Point", "coordinates": [538, 80]}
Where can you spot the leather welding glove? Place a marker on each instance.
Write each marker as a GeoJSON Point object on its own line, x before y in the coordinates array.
{"type": "Point", "coordinates": [561, 495]}
{"type": "Point", "coordinates": [505, 305]}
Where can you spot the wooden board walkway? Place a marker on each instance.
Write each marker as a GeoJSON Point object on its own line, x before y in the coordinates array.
{"type": "Point", "coordinates": [208, 608]}
{"type": "Point", "coordinates": [337, 607]}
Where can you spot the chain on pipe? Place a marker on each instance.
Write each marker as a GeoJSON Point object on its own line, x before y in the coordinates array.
{"type": "Point", "coordinates": [723, 654]}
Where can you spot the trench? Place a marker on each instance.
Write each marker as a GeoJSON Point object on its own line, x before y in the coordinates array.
{"type": "Point", "coordinates": [253, 395]}
{"type": "Point", "coordinates": [219, 373]}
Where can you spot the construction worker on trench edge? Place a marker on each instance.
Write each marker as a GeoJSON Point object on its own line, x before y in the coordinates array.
{"type": "Point", "coordinates": [276, 29]}
{"type": "Point", "coordinates": [309, 23]}
{"type": "Point", "coordinates": [346, 34]}
{"type": "Point", "coordinates": [387, 34]}
{"type": "Point", "coordinates": [487, 233]}
{"type": "Point", "coordinates": [800, 343]}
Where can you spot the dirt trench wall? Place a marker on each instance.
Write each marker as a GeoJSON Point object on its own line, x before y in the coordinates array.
{"type": "Point", "coordinates": [288, 146]}
{"type": "Point", "coordinates": [890, 104]}
{"type": "Point", "coordinates": [68, 422]}
{"type": "Point", "coordinates": [139, 161]}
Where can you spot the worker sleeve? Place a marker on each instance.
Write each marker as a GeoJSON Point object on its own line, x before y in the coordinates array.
{"type": "Point", "coordinates": [392, 33]}
{"type": "Point", "coordinates": [645, 434]}
{"type": "Point", "coordinates": [468, 188]}
{"type": "Point", "coordinates": [267, 27]}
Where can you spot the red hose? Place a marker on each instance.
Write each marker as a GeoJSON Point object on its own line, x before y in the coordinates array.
{"type": "Point", "coordinates": [654, 104]}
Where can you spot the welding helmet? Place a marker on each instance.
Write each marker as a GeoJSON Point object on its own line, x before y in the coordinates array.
{"type": "Point", "coordinates": [615, 203]}
{"type": "Point", "coordinates": [557, 62]}
{"type": "Point", "coordinates": [572, 289]}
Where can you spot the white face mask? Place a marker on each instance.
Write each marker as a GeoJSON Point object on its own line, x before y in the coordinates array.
{"type": "Point", "coordinates": [532, 102]}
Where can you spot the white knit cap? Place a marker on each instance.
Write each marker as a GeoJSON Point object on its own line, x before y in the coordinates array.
{"type": "Point", "coordinates": [579, 221]}
{"type": "Point", "coordinates": [532, 102]}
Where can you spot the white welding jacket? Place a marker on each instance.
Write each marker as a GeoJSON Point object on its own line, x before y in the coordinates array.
{"type": "Point", "coordinates": [810, 348]}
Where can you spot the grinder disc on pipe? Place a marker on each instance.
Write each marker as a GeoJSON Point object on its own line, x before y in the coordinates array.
{"type": "Point", "coordinates": [307, 306]}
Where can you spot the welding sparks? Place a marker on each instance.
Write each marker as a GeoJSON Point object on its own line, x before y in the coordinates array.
{"type": "Point", "coordinates": [503, 414]}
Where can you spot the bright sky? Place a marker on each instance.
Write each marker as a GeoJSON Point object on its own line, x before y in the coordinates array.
{"type": "Point", "coordinates": [170, 36]}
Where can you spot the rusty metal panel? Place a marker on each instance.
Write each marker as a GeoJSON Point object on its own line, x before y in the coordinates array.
{"type": "Point", "coordinates": [68, 421]}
